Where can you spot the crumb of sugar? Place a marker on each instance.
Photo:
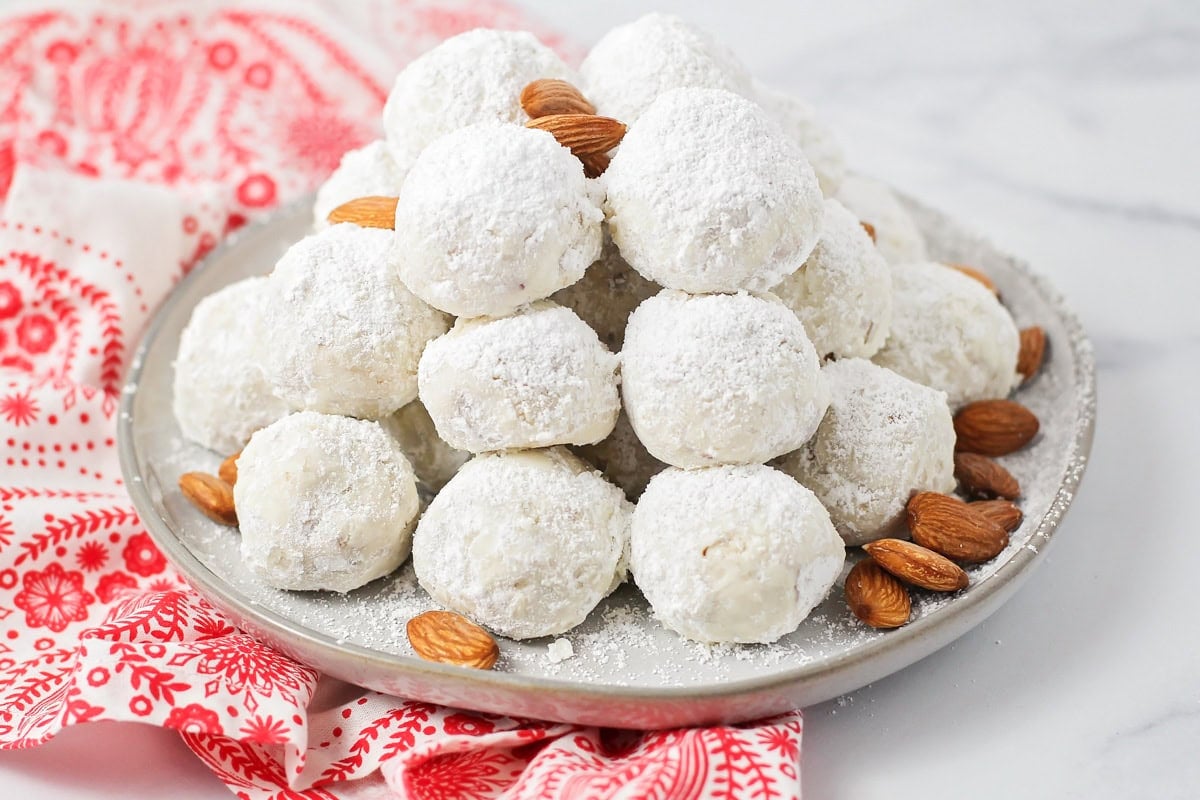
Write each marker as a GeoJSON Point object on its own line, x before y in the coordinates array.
{"type": "Point", "coordinates": [559, 650]}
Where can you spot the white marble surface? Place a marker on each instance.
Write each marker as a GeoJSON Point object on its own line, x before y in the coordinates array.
{"type": "Point", "coordinates": [1070, 132]}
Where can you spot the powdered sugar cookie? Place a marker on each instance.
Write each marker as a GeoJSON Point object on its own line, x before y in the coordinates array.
{"type": "Point", "coordinates": [434, 461]}
{"type": "Point", "coordinates": [221, 394]}
{"type": "Point", "coordinates": [720, 379]}
{"type": "Point", "coordinates": [732, 554]}
{"type": "Point", "coordinates": [896, 235]}
{"type": "Point", "coordinates": [951, 333]}
{"type": "Point", "coordinates": [537, 378]}
{"type": "Point", "coordinates": [343, 334]}
{"type": "Point", "coordinates": [800, 121]}
{"type": "Point", "coordinates": [623, 459]}
{"type": "Point", "coordinates": [526, 543]}
{"type": "Point", "coordinates": [324, 502]}
{"type": "Point", "coordinates": [706, 194]}
{"type": "Point", "coordinates": [843, 292]}
{"type": "Point", "coordinates": [633, 64]}
{"type": "Point", "coordinates": [494, 216]}
{"type": "Point", "coordinates": [606, 295]}
{"type": "Point", "coordinates": [474, 77]}
{"type": "Point", "coordinates": [883, 438]}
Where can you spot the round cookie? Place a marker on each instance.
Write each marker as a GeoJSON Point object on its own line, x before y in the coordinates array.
{"type": "Point", "coordinates": [434, 461]}
{"type": "Point", "coordinates": [526, 543]}
{"type": "Point", "coordinates": [324, 502]}
{"type": "Point", "coordinates": [951, 333]}
{"type": "Point", "coordinates": [494, 216]}
{"type": "Point", "coordinates": [537, 378]}
{"type": "Point", "coordinates": [343, 335]}
{"type": "Point", "coordinates": [843, 292]}
{"type": "Point", "coordinates": [474, 77]}
{"type": "Point", "coordinates": [706, 194]}
{"type": "Point", "coordinates": [606, 295]}
{"type": "Point", "coordinates": [898, 238]}
{"type": "Point", "coordinates": [732, 554]}
{"type": "Point", "coordinates": [720, 379]}
{"type": "Point", "coordinates": [623, 459]}
{"type": "Point", "coordinates": [633, 64]}
{"type": "Point", "coordinates": [884, 438]}
{"type": "Point", "coordinates": [221, 395]}
{"type": "Point", "coordinates": [369, 171]}
{"type": "Point", "coordinates": [799, 120]}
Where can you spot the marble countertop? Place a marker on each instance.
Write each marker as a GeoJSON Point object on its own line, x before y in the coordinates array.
{"type": "Point", "coordinates": [1068, 132]}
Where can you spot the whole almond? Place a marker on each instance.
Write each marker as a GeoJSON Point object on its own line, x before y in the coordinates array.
{"type": "Point", "coordinates": [1005, 514]}
{"type": "Point", "coordinates": [1032, 352]}
{"type": "Point", "coordinates": [228, 469]}
{"type": "Point", "coordinates": [450, 638]}
{"type": "Point", "coordinates": [869, 228]}
{"type": "Point", "coordinates": [979, 275]}
{"type": "Point", "coordinates": [949, 526]}
{"type": "Point", "coordinates": [917, 565]}
{"type": "Point", "coordinates": [582, 134]}
{"type": "Point", "coordinates": [980, 476]}
{"type": "Point", "coordinates": [366, 212]}
{"type": "Point", "coordinates": [994, 427]}
{"type": "Point", "coordinates": [876, 597]}
{"type": "Point", "coordinates": [547, 96]}
{"type": "Point", "coordinates": [211, 495]}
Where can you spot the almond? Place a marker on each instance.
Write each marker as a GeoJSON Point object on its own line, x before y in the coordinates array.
{"type": "Point", "coordinates": [547, 96]}
{"type": "Point", "coordinates": [982, 477]}
{"type": "Point", "coordinates": [594, 164]}
{"type": "Point", "coordinates": [450, 638]}
{"type": "Point", "coordinates": [994, 427]}
{"type": "Point", "coordinates": [949, 526]}
{"type": "Point", "coordinates": [1001, 512]}
{"type": "Point", "coordinates": [211, 495]}
{"type": "Point", "coordinates": [869, 228]}
{"type": "Point", "coordinates": [917, 565]}
{"type": "Point", "coordinates": [582, 134]}
{"type": "Point", "coordinates": [366, 212]}
{"type": "Point", "coordinates": [876, 597]}
{"type": "Point", "coordinates": [1032, 352]}
{"type": "Point", "coordinates": [228, 469]}
{"type": "Point", "coordinates": [982, 277]}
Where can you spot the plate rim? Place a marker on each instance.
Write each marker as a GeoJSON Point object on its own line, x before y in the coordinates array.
{"type": "Point", "coordinates": [901, 640]}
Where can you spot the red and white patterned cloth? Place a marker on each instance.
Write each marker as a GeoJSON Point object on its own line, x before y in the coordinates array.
{"type": "Point", "coordinates": [133, 135]}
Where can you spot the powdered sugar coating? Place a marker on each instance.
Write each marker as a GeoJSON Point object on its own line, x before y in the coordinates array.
{"type": "Point", "coordinates": [623, 459]}
{"type": "Point", "coordinates": [706, 194]}
{"type": "Point", "coordinates": [732, 554]}
{"type": "Point", "coordinates": [720, 379]}
{"type": "Point", "coordinates": [343, 334]}
{"type": "Point", "coordinates": [493, 216]}
{"type": "Point", "coordinates": [607, 294]}
{"type": "Point", "coordinates": [474, 77]}
{"type": "Point", "coordinates": [883, 438]}
{"type": "Point", "coordinates": [951, 333]}
{"type": "Point", "coordinates": [633, 64]}
{"type": "Point", "coordinates": [434, 461]}
{"type": "Point", "coordinates": [324, 502]}
{"type": "Point", "coordinates": [365, 172]}
{"type": "Point", "coordinates": [897, 237]}
{"type": "Point", "coordinates": [221, 395]}
{"type": "Point", "coordinates": [843, 293]}
{"type": "Point", "coordinates": [526, 543]}
{"type": "Point", "coordinates": [537, 378]}
{"type": "Point", "coordinates": [801, 122]}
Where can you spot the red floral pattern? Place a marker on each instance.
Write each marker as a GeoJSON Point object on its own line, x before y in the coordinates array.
{"type": "Point", "coordinates": [132, 137]}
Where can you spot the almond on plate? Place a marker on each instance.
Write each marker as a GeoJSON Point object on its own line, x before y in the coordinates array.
{"type": "Point", "coordinates": [949, 526]}
{"type": "Point", "coordinates": [1002, 512]}
{"type": "Point", "coordinates": [1032, 352]}
{"type": "Point", "coordinates": [994, 427]}
{"type": "Point", "coordinates": [228, 469]}
{"type": "Point", "coordinates": [450, 638]}
{"type": "Point", "coordinates": [982, 477]}
{"type": "Point", "coordinates": [211, 495]}
{"type": "Point", "coordinates": [917, 565]}
{"type": "Point", "coordinates": [876, 597]}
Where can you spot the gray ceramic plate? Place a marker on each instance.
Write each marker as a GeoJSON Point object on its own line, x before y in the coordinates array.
{"type": "Point", "coordinates": [626, 670]}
